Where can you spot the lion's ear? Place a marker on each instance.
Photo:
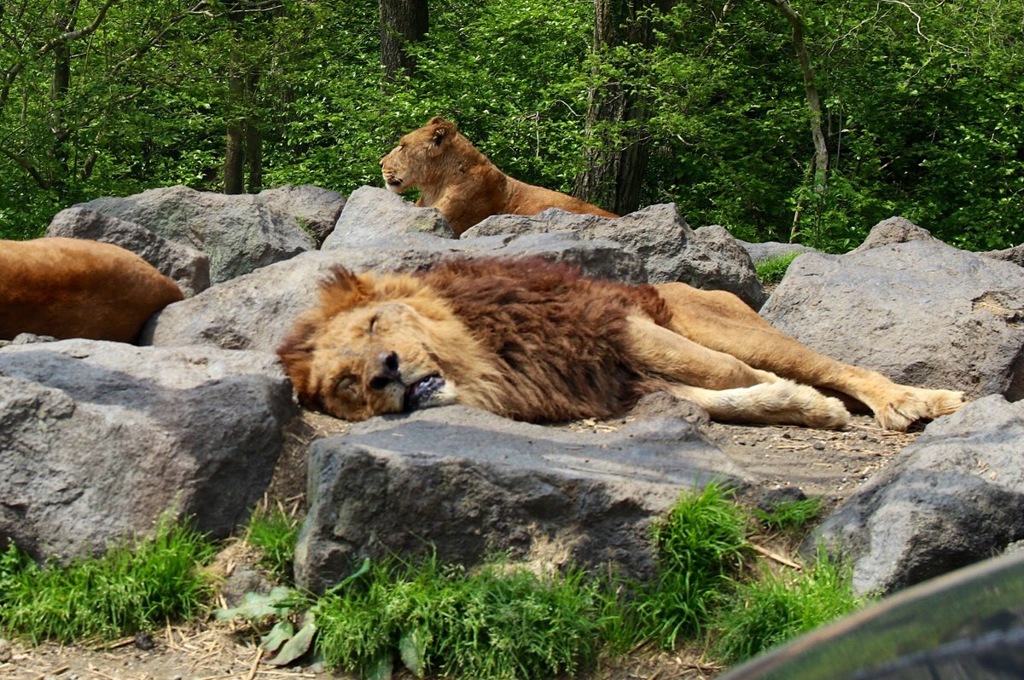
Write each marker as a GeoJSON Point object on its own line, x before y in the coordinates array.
{"type": "Point", "coordinates": [342, 290]}
{"type": "Point", "coordinates": [296, 354]}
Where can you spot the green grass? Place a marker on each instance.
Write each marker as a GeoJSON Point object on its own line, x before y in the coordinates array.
{"type": "Point", "coordinates": [772, 610]}
{"type": "Point", "coordinates": [790, 516]}
{"type": "Point", "coordinates": [129, 588]}
{"type": "Point", "coordinates": [275, 532]}
{"type": "Point", "coordinates": [774, 268]}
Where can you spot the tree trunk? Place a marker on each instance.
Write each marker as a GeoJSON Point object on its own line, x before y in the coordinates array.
{"type": "Point", "coordinates": [616, 161]}
{"type": "Point", "coordinates": [401, 22]}
{"type": "Point", "coordinates": [254, 157]}
{"type": "Point", "coordinates": [821, 158]}
{"type": "Point", "coordinates": [234, 151]}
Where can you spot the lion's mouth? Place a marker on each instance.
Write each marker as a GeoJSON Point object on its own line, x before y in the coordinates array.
{"type": "Point", "coordinates": [419, 393]}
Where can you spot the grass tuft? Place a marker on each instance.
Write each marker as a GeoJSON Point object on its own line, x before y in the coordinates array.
{"type": "Point", "coordinates": [498, 622]}
{"type": "Point", "coordinates": [130, 588]}
{"type": "Point", "coordinates": [275, 532]}
{"type": "Point", "coordinates": [700, 544]}
{"type": "Point", "coordinates": [772, 610]}
{"type": "Point", "coordinates": [790, 516]}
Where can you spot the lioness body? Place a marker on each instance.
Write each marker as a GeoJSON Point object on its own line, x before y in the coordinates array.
{"type": "Point", "coordinates": [462, 183]}
{"type": "Point", "coordinates": [75, 288]}
{"type": "Point", "coordinates": [535, 341]}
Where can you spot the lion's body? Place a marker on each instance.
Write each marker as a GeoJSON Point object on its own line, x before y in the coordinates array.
{"type": "Point", "coordinates": [75, 288]}
{"type": "Point", "coordinates": [462, 183]}
{"type": "Point", "coordinates": [536, 341]}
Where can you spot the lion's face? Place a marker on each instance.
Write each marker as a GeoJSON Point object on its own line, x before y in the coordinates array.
{"type": "Point", "coordinates": [375, 358]}
{"type": "Point", "coordinates": [409, 164]}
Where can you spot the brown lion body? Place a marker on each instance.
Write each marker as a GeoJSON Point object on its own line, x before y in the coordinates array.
{"type": "Point", "coordinates": [462, 183]}
{"type": "Point", "coordinates": [75, 288]}
{"type": "Point", "coordinates": [536, 341]}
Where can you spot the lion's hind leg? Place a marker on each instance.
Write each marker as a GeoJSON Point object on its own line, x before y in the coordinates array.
{"type": "Point", "coordinates": [727, 388]}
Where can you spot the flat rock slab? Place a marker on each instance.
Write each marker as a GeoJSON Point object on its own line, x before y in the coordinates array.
{"type": "Point", "coordinates": [470, 485]}
{"type": "Point", "coordinates": [99, 439]}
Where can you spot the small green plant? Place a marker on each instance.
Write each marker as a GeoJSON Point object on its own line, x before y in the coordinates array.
{"type": "Point", "coordinates": [275, 532]}
{"type": "Point", "coordinates": [700, 544]}
{"type": "Point", "coordinates": [790, 516]}
{"type": "Point", "coordinates": [774, 268]}
{"type": "Point", "coordinates": [132, 587]}
{"type": "Point", "coordinates": [771, 610]}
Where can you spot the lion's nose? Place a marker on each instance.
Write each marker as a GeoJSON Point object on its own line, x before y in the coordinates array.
{"type": "Point", "coordinates": [389, 371]}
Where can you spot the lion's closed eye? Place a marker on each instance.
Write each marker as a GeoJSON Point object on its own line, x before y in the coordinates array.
{"type": "Point", "coordinates": [346, 385]}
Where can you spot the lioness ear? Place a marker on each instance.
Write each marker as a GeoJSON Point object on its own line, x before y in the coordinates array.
{"type": "Point", "coordinates": [442, 129]}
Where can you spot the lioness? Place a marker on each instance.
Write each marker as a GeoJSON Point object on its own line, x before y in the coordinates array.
{"type": "Point", "coordinates": [536, 341]}
{"type": "Point", "coordinates": [462, 183]}
{"type": "Point", "coordinates": [74, 288]}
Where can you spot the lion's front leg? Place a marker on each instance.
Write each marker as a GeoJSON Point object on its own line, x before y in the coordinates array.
{"type": "Point", "coordinates": [721, 321]}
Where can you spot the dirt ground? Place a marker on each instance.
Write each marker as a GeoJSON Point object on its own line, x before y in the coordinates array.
{"type": "Point", "coordinates": [821, 463]}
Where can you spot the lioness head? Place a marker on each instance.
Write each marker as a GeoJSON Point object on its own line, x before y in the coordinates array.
{"type": "Point", "coordinates": [414, 162]}
{"type": "Point", "coordinates": [373, 347]}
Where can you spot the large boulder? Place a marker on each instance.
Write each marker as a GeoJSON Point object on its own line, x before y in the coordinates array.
{"type": "Point", "coordinates": [188, 266]}
{"type": "Point", "coordinates": [470, 485]}
{"type": "Point", "coordinates": [918, 311]}
{"type": "Point", "coordinates": [954, 497]}
{"type": "Point", "coordinates": [239, 233]}
{"type": "Point", "coordinates": [100, 439]}
{"type": "Point", "coordinates": [315, 209]}
{"type": "Point", "coordinates": [255, 311]}
{"type": "Point", "coordinates": [664, 242]}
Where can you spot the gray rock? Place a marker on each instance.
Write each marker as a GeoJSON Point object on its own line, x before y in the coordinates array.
{"type": "Point", "coordinates": [471, 485]}
{"type": "Point", "coordinates": [921, 312]}
{"type": "Point", "coordinates": [374, 217]}
{"type": "Point", "coordinates": [256, 311]}
{"type": "Point", "coordinates": [1014, 255]}
{"type": "Point", "coordinates": [189, 267]}
{"type": "Point", "coordinates": [315, 209]}
{"type": "Point", "coordinates": [954, 497]}
{"type": "Point", "coordinates": [239, 233]}
{"type": "Point", "coordinates": [99, 439]}
{"type": "Point", "coordinates": [894, 230]}
{"type": "Point", "coordinates": [666, 245]}
{"type": "Point", "coordinates": [717, 261]}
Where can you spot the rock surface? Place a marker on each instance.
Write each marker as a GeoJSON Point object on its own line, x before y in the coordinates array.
{"type": "Point", "coordinates": [920, 312]}
{"type": "Point", "coordinates": [100, 439]}
{"type": "Point", "coordinates": [471, 485]}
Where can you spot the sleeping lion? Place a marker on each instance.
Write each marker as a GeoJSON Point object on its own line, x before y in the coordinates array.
{"type": "Point", "coordinates": [76, 288]}
{"type": "Point", "coordinates": [537, 341]}
{"type": "Point", "coordinates": [462, 183]}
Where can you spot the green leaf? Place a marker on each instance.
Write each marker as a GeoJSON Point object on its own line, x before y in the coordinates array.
{"type": "Point", "coordinates": [278, 635]}
{"type": "Point", "coordinates": [379, 667]}
{"type": "Point", "coordinates": [278, 602]}
{"type": "Point", "coordinates": [412, 648]}
{"type": "Point", "coordinates": [298, 645]}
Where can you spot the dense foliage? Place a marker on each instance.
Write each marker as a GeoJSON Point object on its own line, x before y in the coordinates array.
{"type": "Point", "coordinates": [923, 104]}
